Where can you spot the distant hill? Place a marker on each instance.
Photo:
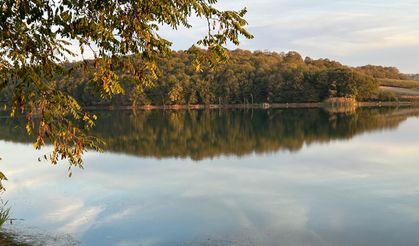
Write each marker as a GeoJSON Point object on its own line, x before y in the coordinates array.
{"type": "Point", "coordinates": [400, 83]}
{"type": "Point", "coordinates": [392, 82]}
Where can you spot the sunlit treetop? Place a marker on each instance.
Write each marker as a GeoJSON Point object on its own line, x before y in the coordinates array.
{"type": "Point", "coordinates": [35, 37]}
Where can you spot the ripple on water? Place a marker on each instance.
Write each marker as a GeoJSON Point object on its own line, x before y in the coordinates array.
{"type": "Point", "coordinates": [12, 235]}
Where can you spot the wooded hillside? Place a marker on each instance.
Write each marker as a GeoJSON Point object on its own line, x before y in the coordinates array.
{"type": "Point", "coordinates": [247, 78]}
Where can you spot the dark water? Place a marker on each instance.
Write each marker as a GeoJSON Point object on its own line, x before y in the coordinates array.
{"type": "Point", "coordinates": [233, 177]}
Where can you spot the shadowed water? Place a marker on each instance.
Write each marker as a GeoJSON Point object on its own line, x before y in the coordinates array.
{"type": "Point", "coordinates": [228, 177]}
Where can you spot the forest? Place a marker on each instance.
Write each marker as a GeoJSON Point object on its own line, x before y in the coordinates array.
{"type": "Point", "coordinates": [247, 78]}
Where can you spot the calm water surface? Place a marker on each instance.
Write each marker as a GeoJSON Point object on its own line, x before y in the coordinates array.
{"type": "Point", "coordinates": [237, 177]}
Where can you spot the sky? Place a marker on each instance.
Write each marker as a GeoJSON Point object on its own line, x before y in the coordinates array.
{"type": "Point", "coordinates": [354, 32]}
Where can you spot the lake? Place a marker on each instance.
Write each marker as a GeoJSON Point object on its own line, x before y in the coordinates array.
{"type": "Point", "coordinates": [223, 177]}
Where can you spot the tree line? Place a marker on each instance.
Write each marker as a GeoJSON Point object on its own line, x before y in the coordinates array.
{"type": "Point", "coordinates": [247, 78]}
{"type": "Point", "coordinates": [381, 72]}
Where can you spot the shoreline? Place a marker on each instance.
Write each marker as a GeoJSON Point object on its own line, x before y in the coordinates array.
{"type": "Point", "coordinates": [255, 106]}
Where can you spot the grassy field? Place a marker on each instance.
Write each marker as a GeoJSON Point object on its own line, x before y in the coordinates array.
{"type": "Point", "coordinates": [401, 91]}
{"type": "Point", "coordinates": [411, 84]}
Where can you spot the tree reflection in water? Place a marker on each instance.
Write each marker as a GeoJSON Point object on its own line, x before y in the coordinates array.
{"type": "Point", "coordinates": [207, 134]}
{"type": "Point", "coordinates": [199, 134]}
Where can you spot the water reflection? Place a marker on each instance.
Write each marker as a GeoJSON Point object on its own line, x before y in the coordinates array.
{"type": "Point", "coordinates": [203, 134]}
{"type": "Point", "coordinates": [211, 133]}
{"type": "Point", "coordinates": [363, 191]}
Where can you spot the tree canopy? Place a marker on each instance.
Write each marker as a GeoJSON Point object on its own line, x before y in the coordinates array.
{"type": "Point", "coordinates": [35, 39]}
{"type": "Point", "coordinates": [381, 72]}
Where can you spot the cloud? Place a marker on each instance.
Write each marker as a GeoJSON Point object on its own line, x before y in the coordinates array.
{"type": "Point", "coordinates": [353, 31]}
{"type": "Point", "coordinates": [81, 222]}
